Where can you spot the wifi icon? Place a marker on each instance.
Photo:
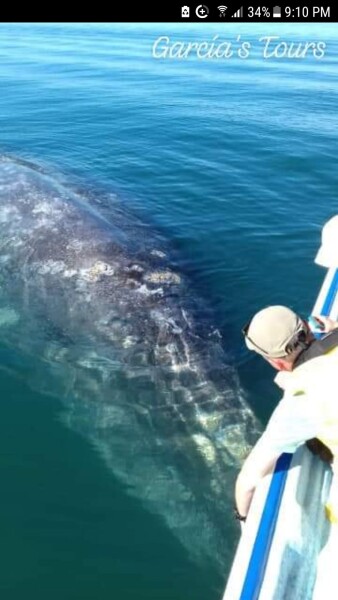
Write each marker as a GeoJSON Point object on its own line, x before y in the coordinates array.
{"type": "Point", "coordinates": [222, 10]}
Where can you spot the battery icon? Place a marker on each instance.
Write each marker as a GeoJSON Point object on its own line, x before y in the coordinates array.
{"type": "Point", "coordinates": [276, 12]}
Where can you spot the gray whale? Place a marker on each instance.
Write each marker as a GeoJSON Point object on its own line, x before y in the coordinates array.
{"type": "Point", "coordinates": [99, 319]}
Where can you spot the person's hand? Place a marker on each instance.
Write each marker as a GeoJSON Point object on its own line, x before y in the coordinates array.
{"type": "Point", "coordinates": [319, 449]}
{"type": "Point", "coordinates": [326, 323]}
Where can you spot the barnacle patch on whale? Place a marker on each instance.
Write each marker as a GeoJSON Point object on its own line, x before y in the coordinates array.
{"type": "Point", "coordinates": [96, 270]}
{"type": "Point", "coordinates": [162, 277]}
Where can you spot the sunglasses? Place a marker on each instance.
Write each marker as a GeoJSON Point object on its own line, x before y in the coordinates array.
{"type": "Point", "coordinates": [299, 338]}
{"type": "Point", "coordinates": [245, 330]}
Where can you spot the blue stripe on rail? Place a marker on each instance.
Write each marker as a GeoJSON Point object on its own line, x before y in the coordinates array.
{"type": "Point", "coordinates": [329, 301]}
{"type": "Point", "coordinates": [331, 295]}
{"type": "Point", "coordinates": [260, 552]}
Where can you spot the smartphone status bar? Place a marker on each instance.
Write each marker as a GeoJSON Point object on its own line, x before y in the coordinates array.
{"type": "Point", "coordinates": [184, 12]}
{"type": "Point", "coordinates": [257, 13]}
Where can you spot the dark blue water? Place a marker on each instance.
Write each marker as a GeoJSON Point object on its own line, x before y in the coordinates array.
{"type": "Point", "coordinates": [233, 162]}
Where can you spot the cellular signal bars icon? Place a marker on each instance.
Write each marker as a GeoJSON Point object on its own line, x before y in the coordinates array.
{"type": "Point", "coordinates": [238, 14]}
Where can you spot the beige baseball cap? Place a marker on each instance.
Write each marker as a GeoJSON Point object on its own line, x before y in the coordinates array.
{"type": "Point", "coordinates": [327, 255]}
{"type": "Point", "coordinates": [272, 329]}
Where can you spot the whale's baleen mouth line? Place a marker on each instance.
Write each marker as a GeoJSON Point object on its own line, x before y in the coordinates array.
{"type": "Point", "coordinates": [104, 322]}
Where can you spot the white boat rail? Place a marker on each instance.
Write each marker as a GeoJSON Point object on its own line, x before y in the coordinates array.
{"type": "Point", "coordinates": [288, 545]}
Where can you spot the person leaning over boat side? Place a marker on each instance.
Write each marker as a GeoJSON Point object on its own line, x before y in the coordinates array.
{"type": "Point", "coordinates": [308, 374]}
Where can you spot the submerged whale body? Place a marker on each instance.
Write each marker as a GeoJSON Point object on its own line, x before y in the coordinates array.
{"type": "Point", "coordinates": [103, 322]}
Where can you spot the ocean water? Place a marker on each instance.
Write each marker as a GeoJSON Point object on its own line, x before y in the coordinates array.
{"type": "Point", "coordinates": [232, 162]}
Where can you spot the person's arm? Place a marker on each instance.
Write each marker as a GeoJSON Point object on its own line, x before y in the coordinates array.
{"type": "Point", "coordinates": [294, 421]}
{"type": "Point", "coordinates": [258, 464]}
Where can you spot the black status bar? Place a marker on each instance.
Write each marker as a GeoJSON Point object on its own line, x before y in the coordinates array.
{"type": "Point", "coordinates": [257, 13]}
{"type": "Point", "coordinates": [189, 12]}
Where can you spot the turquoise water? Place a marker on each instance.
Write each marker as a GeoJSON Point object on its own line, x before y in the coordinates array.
{"type": "Point", "coordinates": [233, 163]}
